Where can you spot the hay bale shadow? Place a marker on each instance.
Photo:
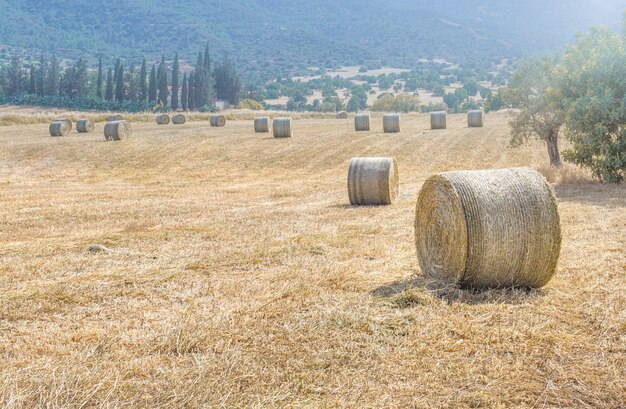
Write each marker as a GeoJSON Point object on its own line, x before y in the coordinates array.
{"type": "Point", "coordinates": [422, 290]}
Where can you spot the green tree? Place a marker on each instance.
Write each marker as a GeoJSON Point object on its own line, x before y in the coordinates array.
{"type": "Point", "coordinates": [191, 96]}
{"type": "Point", "coordinates": [535, 114]}
{"type": "Point", "coordinates": [119, 84]}
{"type": "Point", "coordinates": [108, 95]}
{"type": "Point", "coordinates": [41, 79]}
{"type": "Point", "coordinates": [54, 78]}
{"type": "Point", "coordinates": [184, 95]}
{"type": "Point", "coordinates": [472, 87]}
{"type": "Point", "coordinates": [131, 83]}
{"type": "Point", "coordinates": [590, 88]}
{"type": "Point", "coordinates": [99, 80]}
{"type": "Point", "coordinates": [162, 84]}
{"type": "Point", "coordinates": [354, 104]}
{"type": "Point", "coordinates": [32, 80]}
{"type": "Point", "coordinates": [152, 86]}
{"type": "Point", "coordinates": [175, 84]}
{"type": "Point", "coordinates": [15, 77]}
{"type": "Point", "coordinates": [200, 83]}
{"type": "Point", "coordinates": [142, 93]}
{"type": "Point", "coordinates": [227, 83]}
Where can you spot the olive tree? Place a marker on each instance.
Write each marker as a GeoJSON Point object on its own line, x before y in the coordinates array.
{"type": "Point", "coordinates": [590, 86]}
{"type": "Point", "coordinates": [534, 113]}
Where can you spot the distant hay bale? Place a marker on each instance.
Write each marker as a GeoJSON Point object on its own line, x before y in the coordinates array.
{"type": "Point", "coordinates": [282, 127]}
{"type": "Point", "coordinates": [362, 122]}
{"type": "Point", "coordinates": [438, 120]}
{"type": "Point", "coordinates": [342, 115]}
{"type": "Point", "coordinates": [117, 130]}
{"type": "Point", "coordinates": [162, 119]}
{"type": "Point", "coordinates": [373, 181]}
{"type": "Point", "coordinates": [475, 119]}
{"type": "Point", "coordinates": [84, 126]}
{"type": "Point", "coordinates": [179, 119]}
{"type": "Point", "coordinates": [60, 127]}
{"type": "Point", "coordinates": [217, 120]}
{"type": "Point", "coordinates": [114, 118]}
{"type": "Point", "coordinates": [262, 124]}
{"type": "Point", "coordinates": [490, 228]}
{"type": "Point", "coordinates": [391, 123]}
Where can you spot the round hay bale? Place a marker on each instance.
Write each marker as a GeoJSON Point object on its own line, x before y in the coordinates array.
{"type": "Point", "coordinates": [217, 120]}
{"type": "Point", "coordinates": [475, 119]}
{"type": "Point", "coordinates": [490, 228]}
{"type": "Point", "coordinates": [179, 119]}
{"type": "Point", "coordinates": [362, 122]}
{"type": "Point", "coordinates": [342, 115]}
{"type": "Point", "coordinates": [84, 126]}
{"type": "Point", "coordinates": [391, 123]}
{"type": "Point", "coordinates": [262, 124]}
{"type": "Point", "coordinates": [162, 119]}
{"type": "Point", "coordinates": [116, 117]}
{"type": "Point", "coordinates": [60, 127]}
{"type": "Point", "coordinates": [282, 127]}
{"type": "Point", "coordinates": [117, 130]}
{"type": "Point", "coordinates": [373, 181]}
{"type": "Point", "coordinates": [438, 120]}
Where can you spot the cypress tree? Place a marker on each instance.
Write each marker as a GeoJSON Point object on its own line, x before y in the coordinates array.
{"type": "Point", "coordinates": [100, 79]}
{"type": "Point", "coordinates": [191, 97]}
{"type": "Point", "coordinates": [119, 84]}
{"type": "Point", "coordinates": [162, 83]}
{"type": "Point", "coordinates": [143, 82]}
{"type": "Point", "coordinates": [199, 75]}
{"type": "Point", "coordinates": [175, 72]}
{"type": "Point", "coordinates": [131, 82]}
{"type": "Point", "coordinates": [184, 93]}
{"type": "Point", "coordinates": [41, 80]}
{"type": "Point", "coordinates": [32, 88]}
{"type": "Point", "coordinates": [118, 64]}
{"type": "Point", "coordinates": [54, 77]}
{"type": "Point", "coordinates": [109, 89]}
{"type": "Point", "coordinates": [152, 86]}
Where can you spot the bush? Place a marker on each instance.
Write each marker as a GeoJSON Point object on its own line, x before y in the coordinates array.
{"type": "Point", "coordinates": [250, 104]}
{"type": "Point", "coordinates": [79, 103]}
{"type": "Point", "coordinates": [401, 103]}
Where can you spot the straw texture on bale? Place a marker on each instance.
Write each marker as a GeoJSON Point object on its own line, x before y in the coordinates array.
{"type": "Point", "coordinates": [162, 119]}
{"type": "Point", "coordinates": [342, 115]}
{"type": "Point", "coordinates": [492, 228]}
{"type": "Point", "coordinates": [438, 120]}
{"type": "Point", "coordinates": [282, 127]}
{"type": "Point", "coordinates": [217, 120]}
{"type": "Point", "coordinates": [84, 126]}
{"type": "Point", "coordinates": [373, 181]}
{"type": "Point", "coordinates": [475, 119]}
{"type": "Point", "coordinates": [112, 118]}
{"type": "Point", "coordinates": [362, 122]}
{"type": "Point", "coordinates": [179, 119]}
{"type": "Point", "coordinates": [60, 127]}
{"type": "Point", "coordinates": [262, 124]}
{"type": "Point", "coordinates": [391, 123]}
{"type": "Point", "coordinates": [117, 130]}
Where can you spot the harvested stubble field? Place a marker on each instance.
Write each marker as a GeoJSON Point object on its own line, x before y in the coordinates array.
{"type": "Point", "coordinates": [195, 266]}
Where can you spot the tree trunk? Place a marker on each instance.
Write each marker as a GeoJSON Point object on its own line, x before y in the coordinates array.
{"type": "Point", "coordinates": [553, 148]}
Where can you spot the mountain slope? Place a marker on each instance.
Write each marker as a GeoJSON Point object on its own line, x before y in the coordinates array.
{"type": "Point", "coordinates": [265, 36]}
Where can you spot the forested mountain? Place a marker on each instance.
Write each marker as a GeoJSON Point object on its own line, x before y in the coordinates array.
{"type": "Point", "coordinates": [266, 37]}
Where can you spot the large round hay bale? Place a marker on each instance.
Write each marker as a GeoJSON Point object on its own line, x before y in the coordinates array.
{"type": "Point", "coordinates": [342, 115]}
{"type": "Point", "coordinates": [116, 117]}
{"type": "Point", "coordinates": [391, 123]}
{"type": "Point", "coordinates": [60, 127]}
{"type": "Point", "coordinates": [475, 119]}
{"type": "Point", "coordinates": [373, 181]}
{"type": "Point", "coordinates": [117, 130]}
{"type": "Point", "coordinates": [262, 124]}
{"type": "Point", "coordinates": [491, 228]}
{"type": "Point", "coordinates": [179, 119]}
{"type": "Point", "coordinates": [217, 120]}
{"type": "Point", "coordinates": [362, 122]}
{"type": "Point", "coordinates": [84, 126]}
{"type": "Point", "coordinates": [438, 120]}
{"type": "Point", "coordinates": [162, 119]}
{"type": "Point", "coordinates": [282, 127]}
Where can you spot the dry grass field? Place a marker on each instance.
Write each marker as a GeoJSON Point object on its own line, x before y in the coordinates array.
{"type": "Point", "coordinates": [193, 266]}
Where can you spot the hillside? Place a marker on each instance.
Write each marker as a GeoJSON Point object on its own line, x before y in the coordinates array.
{"type": "Point", "coordinates": [265, 36]}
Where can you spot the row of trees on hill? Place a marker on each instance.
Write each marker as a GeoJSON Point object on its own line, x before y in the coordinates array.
{"type": "Point", "coordinates": [134, 86]}
{"type": "Point", "coordinates": [580, 94]}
